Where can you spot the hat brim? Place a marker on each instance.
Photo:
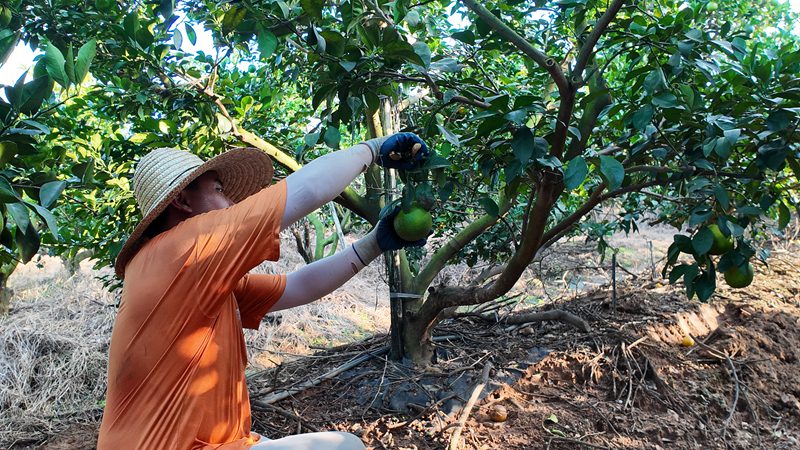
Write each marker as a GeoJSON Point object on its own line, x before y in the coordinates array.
{"type": "Point", "coordinates": [242, 172]}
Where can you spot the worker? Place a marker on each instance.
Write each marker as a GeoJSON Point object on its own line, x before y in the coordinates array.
{"type": "Point", "coordinates": [176, 368]}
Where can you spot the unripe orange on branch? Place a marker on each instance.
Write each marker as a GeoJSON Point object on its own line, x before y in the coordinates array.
{"type": "Point", "coordinates": [722, 244]}
{"type": "Point", "coordinates": [738, 277]}
{"type": "Point", "coordinates": [414, 224]}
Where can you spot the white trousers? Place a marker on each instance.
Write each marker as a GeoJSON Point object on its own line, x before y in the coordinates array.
{"type": "Point", "coordinates": [327, 440]}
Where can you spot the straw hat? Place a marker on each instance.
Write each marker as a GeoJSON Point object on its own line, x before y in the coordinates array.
{"type": "Point", "coordinates": [165, 172]}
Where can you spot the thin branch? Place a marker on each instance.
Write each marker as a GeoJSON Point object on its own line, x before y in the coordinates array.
{"type": "Point", "coordinates": [521, 43]}
{"type": "Point", "coordinates": [476, 392]}
{"type": "Point", "coordinates": [588, 47]}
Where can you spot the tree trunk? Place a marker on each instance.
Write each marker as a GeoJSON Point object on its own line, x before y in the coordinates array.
{"type": "Point", "coordinates": [5, 295]}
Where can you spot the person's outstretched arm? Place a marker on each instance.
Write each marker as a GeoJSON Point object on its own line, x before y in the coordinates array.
{"type": "Point", "coordinates": [324, 276]}
{"type": "Point", "coordinates": [327, 176]}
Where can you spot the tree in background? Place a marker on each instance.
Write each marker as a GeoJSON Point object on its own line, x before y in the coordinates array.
{"type": "Point", "coordinates": [540, 112]}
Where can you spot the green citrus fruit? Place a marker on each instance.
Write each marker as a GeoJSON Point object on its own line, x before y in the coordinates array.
{"type": "Point", "coordinates": [736, 277]}
{"type": "Point", "coordinates": [413, 225]}
{"type": "Point", "coordinates": [722, 244]}
{"type": "Point", "coordinates": [712, 6]}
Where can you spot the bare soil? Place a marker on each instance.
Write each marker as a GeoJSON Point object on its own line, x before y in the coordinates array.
{"type": "Point", "coordinates": [629, 383]}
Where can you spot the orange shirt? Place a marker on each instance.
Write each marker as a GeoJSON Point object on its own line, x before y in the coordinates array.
{"type": "Point", "coordinates": [177, 358]}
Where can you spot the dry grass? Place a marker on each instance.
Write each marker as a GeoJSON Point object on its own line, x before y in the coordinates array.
{"type": "Point", "coordinates": [54, 343]}
{"type": "Point", "coordinates": [53, 349]}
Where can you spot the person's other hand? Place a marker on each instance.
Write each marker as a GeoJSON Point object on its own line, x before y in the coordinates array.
{"type": "Point", "coordinates": [388, 239]}
{"type": "Point", "coordinates": [402, 151]}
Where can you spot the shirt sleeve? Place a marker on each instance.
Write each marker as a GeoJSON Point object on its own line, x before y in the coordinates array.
{"type": "Point", "coordinates": [224, 245]}
{"type": "Point", "coordinates": [256, 294]}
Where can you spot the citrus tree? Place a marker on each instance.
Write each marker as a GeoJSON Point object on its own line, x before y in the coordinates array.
{"type": "Point", "coordinates": [539, 112]}
{"type": "Point", "coordinates": [31, 167]}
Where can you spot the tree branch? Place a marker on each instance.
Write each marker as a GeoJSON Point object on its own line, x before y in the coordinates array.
{"type": "Point", "coordinates": [521, 43]}
{"type": "Point", "coordinates": [588, 47]}
{"type": "Point", "coordinates": [455, 244]}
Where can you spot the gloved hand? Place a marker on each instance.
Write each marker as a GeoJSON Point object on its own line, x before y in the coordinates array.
{"type": "Point", "coordinates": [388, 239]}
{"type": "Point", "coordinates": [399, 151]}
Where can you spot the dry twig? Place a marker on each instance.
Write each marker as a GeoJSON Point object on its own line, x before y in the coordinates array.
{"type": "Point", "coordinates": [456, 435]}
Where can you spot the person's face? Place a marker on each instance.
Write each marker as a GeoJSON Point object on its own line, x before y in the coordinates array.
{"type": "Point", "coordinates": [205, 194]}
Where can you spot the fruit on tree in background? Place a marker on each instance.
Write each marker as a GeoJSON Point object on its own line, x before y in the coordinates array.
{"type": "Point", "coordinates": [739, 277]}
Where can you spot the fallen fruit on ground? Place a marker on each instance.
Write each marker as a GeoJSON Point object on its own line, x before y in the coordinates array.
{"type": "Point", "coordinates": [739, 277]}
{"type": "Point", "coordinates": [722, 244]}
{"type": "Point", "coordinates": [414, 224]}
{"type": "Point", "coordinates": [498, 413]}
{"type": "Point", "coordinates": [687, 341]}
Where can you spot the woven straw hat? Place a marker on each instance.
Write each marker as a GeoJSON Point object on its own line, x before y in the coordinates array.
{"type": "Point", "coordinates": [164, 172]}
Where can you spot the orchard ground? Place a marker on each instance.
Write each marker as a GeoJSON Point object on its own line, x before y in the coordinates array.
{"type": "Point", "coordinates": [629, 383]}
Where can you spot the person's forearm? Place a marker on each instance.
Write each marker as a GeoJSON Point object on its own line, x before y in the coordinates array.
{"type": "Point", "coordinates": [326, 275]}
{"type": "Point", "coordinates": [323, 179]}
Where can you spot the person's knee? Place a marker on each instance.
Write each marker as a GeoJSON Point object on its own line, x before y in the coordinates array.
{"type": "Point", "coordinates": [349, 441]}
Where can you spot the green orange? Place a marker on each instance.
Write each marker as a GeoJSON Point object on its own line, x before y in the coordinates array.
{"type": "Point", "coordinates": [414, 224]}
{"type": "Point", "coordinates": [739, 277]}
{"type": "Point", "coordinates": [722, 244]}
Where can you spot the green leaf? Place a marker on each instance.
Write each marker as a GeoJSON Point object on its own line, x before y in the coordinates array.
{"type": "Point", "coordinates": [34, 93]}
{"type": "Point", "coordinates": [28, 242]}
{"type": "Point", "coordinates": [654, 81]}
{"type": "Point", "coordinates": [612, 171]}
{"type": "Point", "coordinates": [412, 18]}
{"type": "Point", "coordinates": [778, 120]}
{"type": "Point", "coordinates": [722, 196]}
{"type": "Point", "coordinates": [267, 42]}
{"type": "Point", "coordinates": [642, 117]}
{"type": "Point", "coordinates": [732, 135]}
{"type": "Point", "coordinates": [69, 65]}
{"type": "Point", "coordinates": [7, 193]}
{"type": "Point", "coordinates": [85, 56]}
{"type": "Point", "coordinates": [784, 216]}
{"type": "Point", "coordinates": [523, 144]}
{"type": "Point", "coordinates": [703, 241]}
{"type": "Point", "coordinates": [575, 173]}
{"type": "Point", "coordinates": [449, 135]}
{"type": "Point", "coordinates": [311, 139]}
{"type": "Point", "coordinates": [313, 8]}
{"type": "Point", "coordinates": [332, 137]}
{"type": "Point", "coordinates": [466, 37]}
{"type": "Point", "coordinates": [49, 192]}
{"type": "Point", "coordinates": [8, 150]}
{"type": "Point", "coordinates": [54, 62]}
{"type": "Point", "coordinates": [19, 214]}
{"type": "Point", "coordinates": [131, 25]}
{"type": "Point", "coordinates": [489, 206]}
{"type": "Point", "coordinates": [446, 190]}
{"type": "Point", "coordinates": [334, 43]}
{"type": "Point", "coordinates": [435, 162]}
{"type": "Point", "coordinates": [232, 19]}
{"type": "Point", "coordinates": [348, 65]}
{"type": "Point", "coordinates": [665, 100]}
{"type": "Point", "coordinates": [191, 34]}
{"type": "Point", "coordinates": [424, 53]}
{"type": "Point", "coordinates": [402, 50]}
{"type": "Point", "coordinates": [165, 8]}
{"type": "Point", "coordinates": [48, 218]}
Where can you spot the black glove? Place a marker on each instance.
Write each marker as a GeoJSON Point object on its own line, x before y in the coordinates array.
{"type": "Point", "coordinates": [398, 151]}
